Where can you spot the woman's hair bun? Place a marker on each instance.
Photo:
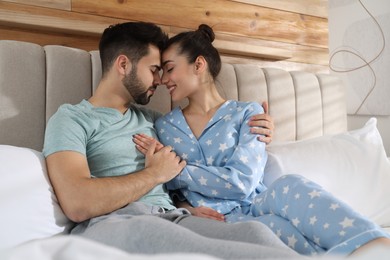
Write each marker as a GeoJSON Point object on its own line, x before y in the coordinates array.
{"type": "Point", "coordinates": [206, 31]}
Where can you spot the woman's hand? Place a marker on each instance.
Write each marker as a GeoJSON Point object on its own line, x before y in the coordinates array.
{"type": "Point", "coordinates": [143, 141]}
{"type": "Point", "coordinates": [263, 124]}
{"type": "Point", "coordinates": [203, 212]}
{"type": "Point", "coordinates": [206, 212]}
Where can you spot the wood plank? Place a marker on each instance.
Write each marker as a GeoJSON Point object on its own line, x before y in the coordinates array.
{"type": "Point", "coordinates": [317, 8]}
{"type": "Point", "coordinates": [242, 49]}
{"type": "Point", "coordinates": [300, 53]}
{"type": "Point", "coordinates": [248, 20]}
{"type": "Point", "coordinates": [55, 4]}
{"type": "Point", "coordinates": [87, 43]}
{"type": "Point", "coordinates": [32, 17]}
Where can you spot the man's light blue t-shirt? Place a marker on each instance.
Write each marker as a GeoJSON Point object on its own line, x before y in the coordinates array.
{"type": "Point", "coordinates": [104, 136]}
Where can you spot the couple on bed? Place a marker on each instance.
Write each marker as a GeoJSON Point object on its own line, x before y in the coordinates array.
{"type": "Point", "coordinates": [111, 175]}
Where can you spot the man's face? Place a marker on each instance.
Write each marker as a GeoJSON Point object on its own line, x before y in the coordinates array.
{"type": "Point", "coordinates": [143, 79]}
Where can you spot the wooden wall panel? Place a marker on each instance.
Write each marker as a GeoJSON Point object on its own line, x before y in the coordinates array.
{"type": "Point", "coordinates": [317, 8]}
{"type": "Point", "coordinates": [56, 4]}
{"type": "Point", "coordinates": [257, 29]}
{"type": "Point", "coordinates": [224, 16]}
{"type": "Point", "coordinates": [48, 38]}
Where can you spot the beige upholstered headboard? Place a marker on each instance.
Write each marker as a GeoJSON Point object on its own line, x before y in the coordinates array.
{"type": "Point", "coordinates": [35, 80]}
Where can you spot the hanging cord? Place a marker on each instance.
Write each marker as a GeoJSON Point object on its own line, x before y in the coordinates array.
{"type": "Point", "coordinates": [366, 63]}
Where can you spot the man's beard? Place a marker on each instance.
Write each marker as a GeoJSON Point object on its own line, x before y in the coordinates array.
{"type": "Point", "coordinates": [136, 88]}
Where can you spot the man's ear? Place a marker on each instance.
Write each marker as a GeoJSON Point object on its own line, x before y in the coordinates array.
{"type": "Point", "coordinates": [123, 64]}
{"type": "Point", "coordinates": [200, 64]}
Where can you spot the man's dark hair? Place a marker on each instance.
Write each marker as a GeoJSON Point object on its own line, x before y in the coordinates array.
{"type": "Point", "coordinates": [131, 39]}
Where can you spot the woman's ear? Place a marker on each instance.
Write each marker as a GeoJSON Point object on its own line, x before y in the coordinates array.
{"type": "Point", "coordinates": [200, 64]}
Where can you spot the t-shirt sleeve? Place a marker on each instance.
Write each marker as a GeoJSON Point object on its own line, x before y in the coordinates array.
{"type": "Point", "coordinates": [64, 133]}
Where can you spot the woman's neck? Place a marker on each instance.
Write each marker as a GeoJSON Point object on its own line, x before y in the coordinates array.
{"type": "Point", "coordinates": [204, 102]}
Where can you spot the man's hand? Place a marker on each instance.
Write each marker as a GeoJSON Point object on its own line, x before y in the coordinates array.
{"type": "Point", "coordinates": [163, 164]}
{"type": "Point", "coordinates": [263, 124]}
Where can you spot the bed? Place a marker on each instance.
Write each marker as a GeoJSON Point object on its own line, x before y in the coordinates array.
{"type": "Point", "coordinates": [311, 139]}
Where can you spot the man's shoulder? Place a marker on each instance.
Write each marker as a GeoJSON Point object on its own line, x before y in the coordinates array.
{"type": "Point", "coordinates": [70, 112]}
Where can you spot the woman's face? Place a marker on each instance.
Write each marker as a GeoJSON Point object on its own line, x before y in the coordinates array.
{"type": "Point", "coordinates": [178, 75]}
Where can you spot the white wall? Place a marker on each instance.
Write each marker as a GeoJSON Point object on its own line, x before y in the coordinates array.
{"type": "Point", "coordinates": [354, 41]}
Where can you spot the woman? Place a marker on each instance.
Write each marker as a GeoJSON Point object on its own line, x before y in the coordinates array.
{"type": "Point", "coordinates": [224, 172]}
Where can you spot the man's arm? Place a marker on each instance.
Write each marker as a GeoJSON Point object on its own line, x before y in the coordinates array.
{"type": "Point", "coordinates": [82, 197]}
{"type": "Point", "coordinates": [263, 124]}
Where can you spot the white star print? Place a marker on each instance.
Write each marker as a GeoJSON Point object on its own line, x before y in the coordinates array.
{"type": "Point", "coordinates": [342, 233]}
{"type": "Point", "coordinates": [334, 206]}
{"type": "Point", "coordinates": [210, 160]}
{"type": "Point", "coordinates": [273, 193]}
{"type": "Point", "coordinates": [284, 209]}
{"type": "Point", "coordinates": [347, 222]}
{"type": "Point", "coordinates": [209, 142]}
{"type": "Point", "coordinates": [177, 140]}
{"type": "Point", "coordinates": [244, 159]}
{"type": "Point", "coordinates": [214, 192]}
{"type": "Point", "coordinates": [285, 189]}
{"type": "Point", "coordinates": [227, 117]}
{"type": "Point", "coordinates": [162, 130]}
{"type": "Point", "coordinates": [222, 147]}
{"type": "Point", "coordinates": [279, 233]}
{"type": "Point", "coordinates": [200, 202]}
{"type": "Point", "coordinates": [311, 205]}
{"type": "Point", "coordinates": [228, 186]}
{"type": "Point", "coordinates": [317, 240]}
{"type": "Point", "coordinates": [297, 196]}
{"type": "Point", "coordinates": [313, 220]}
{"type": "Point", "coordinates": [184, 156]}
{"type": "Point", "coordinates": [295, 222]}
{"type": "Point", "coordinates": [203, 181]}
{"type": "Point", "coordinates": [326, 225]}
{"type": "Point", "coordinates": [314, 194]}
{"type": "Point", "coordinates": [292, 241]}
{"type": "Point", "coordinates": [224, 176]}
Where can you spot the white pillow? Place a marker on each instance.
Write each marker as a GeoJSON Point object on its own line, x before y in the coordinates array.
{"type": "Point", "coordinates": [352, 165]}
{"type": "Point", "coordinates": [29, 209]}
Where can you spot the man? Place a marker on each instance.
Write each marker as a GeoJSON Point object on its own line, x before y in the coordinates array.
{"type": "Point", "coordinates": [115, 193]}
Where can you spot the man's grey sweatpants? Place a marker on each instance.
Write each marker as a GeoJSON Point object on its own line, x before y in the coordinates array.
{"type": "Point", "coordinates": [143, 229]}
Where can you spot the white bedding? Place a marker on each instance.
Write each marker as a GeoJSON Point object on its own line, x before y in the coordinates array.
{"type": "Point", "coordinates": [78, 248]}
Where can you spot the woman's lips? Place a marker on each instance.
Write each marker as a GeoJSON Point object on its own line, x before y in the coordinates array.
{"type": "Point", "coordinates": [171, 89]}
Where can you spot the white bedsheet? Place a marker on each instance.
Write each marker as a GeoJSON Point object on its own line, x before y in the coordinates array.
{"type": "Point", "coordinates": [78, 248]}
